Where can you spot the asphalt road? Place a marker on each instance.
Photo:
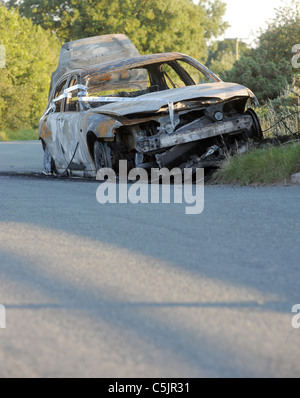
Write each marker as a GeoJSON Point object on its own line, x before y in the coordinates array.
{"type": "Point", "coordinates": [128, 290]}
{"type": "Point", "coordinates": [21, 157]}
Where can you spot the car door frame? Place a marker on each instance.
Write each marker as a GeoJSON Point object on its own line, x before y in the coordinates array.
{"type": "Point", "coordinates": [71, 137]}
{"type": "Point", "coordinates": [49, 127]}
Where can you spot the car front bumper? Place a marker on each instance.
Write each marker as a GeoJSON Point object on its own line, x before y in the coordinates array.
{"type": "Point", "coordinates": [160, 141]}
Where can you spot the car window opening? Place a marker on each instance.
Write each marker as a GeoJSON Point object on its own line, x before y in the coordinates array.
{"type": "Point", "coordinates": [135, 82]}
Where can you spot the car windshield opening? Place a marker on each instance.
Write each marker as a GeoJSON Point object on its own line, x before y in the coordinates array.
{"type": "Point", "coordinates": [134, 82]}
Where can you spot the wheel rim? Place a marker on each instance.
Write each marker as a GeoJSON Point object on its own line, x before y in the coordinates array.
{"type": "Point", "coordinates": [102, 155]}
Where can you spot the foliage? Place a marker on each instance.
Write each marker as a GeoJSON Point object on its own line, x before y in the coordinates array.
{"type": "Point", "coordinates": [265, 78]}
{"type": "Point", "coordinates": [19, 135]}
{"type": "Point", "coordinates": [153, 25]}
{"type": "Point", "coordinates": [31, 56]}
{"type": "Point", "coordinates": [281, 116]}
{"type": "Point", "coordinates": [223, 54]}
{"type": "Point", "coordinates": [270, 165]}
{"type": "Point", "coordinates": [282, 33]}
{"type": "Point", "coordinates": [267, 69]}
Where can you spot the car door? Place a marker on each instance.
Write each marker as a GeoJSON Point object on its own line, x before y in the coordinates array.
{"type": "Point", "coordinates": [70, 119]}
{"type": "Point", "coordinates": [51, 125]}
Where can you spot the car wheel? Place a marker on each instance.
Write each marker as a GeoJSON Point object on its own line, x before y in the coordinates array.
{"type": "Point", "coordinates": [49, 165]}
{"type": "Point", "coordinates": [102, 156]}
{"type": "Point", "coordinates": [256, 130]}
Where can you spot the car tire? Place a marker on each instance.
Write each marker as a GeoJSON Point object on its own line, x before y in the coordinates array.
{"type": "Point", "coordinates": [49, 165]}
{"type": "Point", "coordinates": [256, 132]}
{"type": "Point", "coordinates": [102, 156]}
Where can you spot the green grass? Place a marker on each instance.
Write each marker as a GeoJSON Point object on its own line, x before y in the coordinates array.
{"type": "Point", "coordinates": [274, 164]}
{"type": "Point", "coordinates": [19, 135]}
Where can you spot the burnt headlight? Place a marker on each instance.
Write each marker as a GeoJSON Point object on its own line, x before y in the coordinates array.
{"type": "Point", "coordinates": [219, 116]}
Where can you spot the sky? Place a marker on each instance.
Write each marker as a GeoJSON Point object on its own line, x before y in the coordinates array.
{"type": "Point", "coordinates": [246, 17]}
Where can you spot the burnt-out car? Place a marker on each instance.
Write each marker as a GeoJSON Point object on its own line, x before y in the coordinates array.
{"type": "Point", "coordinates": [108, 103]}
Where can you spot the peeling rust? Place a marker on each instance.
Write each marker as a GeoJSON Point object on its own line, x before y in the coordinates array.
{"type": "Point", "coordinates": [45, 132]}
{"type": "Point", "coordinates": [106, 128]}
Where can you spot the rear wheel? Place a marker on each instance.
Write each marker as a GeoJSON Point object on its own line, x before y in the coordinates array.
{"type": "Point", "coordinates": [49, 165]}
{"type": "Point", "coordinates": [102, 156]}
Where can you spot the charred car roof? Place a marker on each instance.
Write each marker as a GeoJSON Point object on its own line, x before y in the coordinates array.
{"type": "Point", "coordinates": [144, 60]}
{"type": "Point", "coordinates": [86, 52]}
{"type": "Point", "coordinates": [136, 62]}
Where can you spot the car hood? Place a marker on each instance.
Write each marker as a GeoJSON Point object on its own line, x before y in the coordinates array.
{"type": "Point", "coordinates": [153, 102]}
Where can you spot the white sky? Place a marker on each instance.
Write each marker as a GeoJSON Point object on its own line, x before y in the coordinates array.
{"type": "Point", "coordinates": [246, 17]}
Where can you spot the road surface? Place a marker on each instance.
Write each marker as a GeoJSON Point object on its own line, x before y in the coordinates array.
{"type": "Point", "coordinates": [21, 157]}
{"type": "Point", "coordinates": [128, 290]}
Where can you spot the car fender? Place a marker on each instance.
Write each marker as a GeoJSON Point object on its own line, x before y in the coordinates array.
{"type": "Point", "coordinates": [104, 127]}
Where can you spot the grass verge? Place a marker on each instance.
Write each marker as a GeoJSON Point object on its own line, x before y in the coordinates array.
{"type": "Point", "coordinates": [19, 135]}
{"type": "Point", "coordinates": [270, 165]}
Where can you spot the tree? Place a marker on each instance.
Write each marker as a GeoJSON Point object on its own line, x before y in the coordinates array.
{"type": "Point", "coordinates": [153, 25]}
{"type": "Point", "coordinates": [31, 56]}
{"type": "Point", "coordinates": [282, 33]}
{"type": "Point", "coordinates": [265, 79]}
{"type": "Point", "coordinates": [267, 70]}
{"type": "Point", "coordinates": [222, 55]}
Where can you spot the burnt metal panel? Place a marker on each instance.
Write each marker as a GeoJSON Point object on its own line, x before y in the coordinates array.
{"type": "Point", "coordinates": [82, 54]}
{"type": "Point", "coordinates": [153, 102]}
{"type": "Point", "coordinates": [161, 141]}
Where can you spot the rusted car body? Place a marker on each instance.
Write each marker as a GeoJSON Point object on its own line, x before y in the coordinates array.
{"type": "Point", "coordinates": [160, 110]}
